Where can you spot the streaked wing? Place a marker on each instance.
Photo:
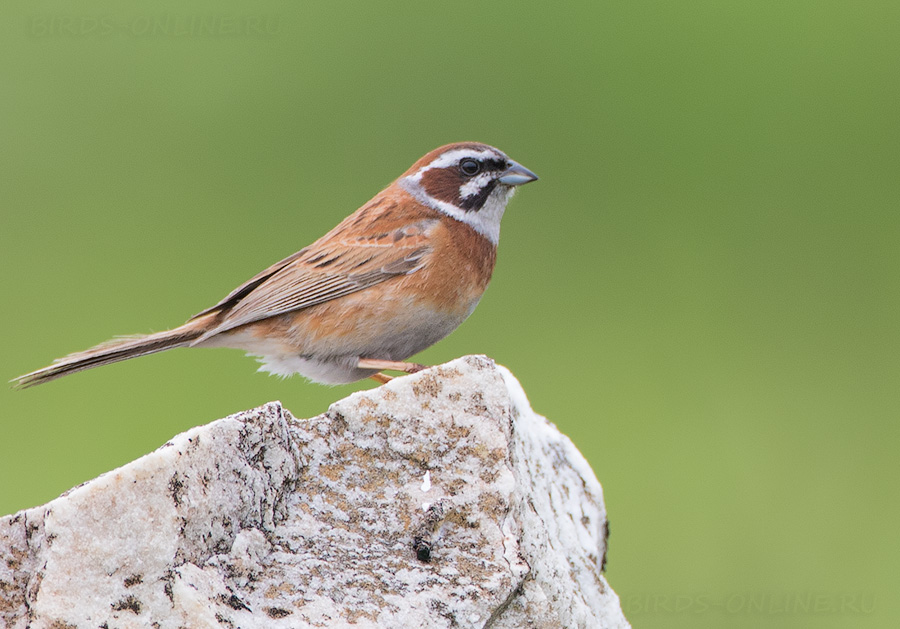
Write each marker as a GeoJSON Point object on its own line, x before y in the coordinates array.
{"type": "Point", "coordinates": [331, 267]}
{"type": "Point", "coordinates": [241, 291]}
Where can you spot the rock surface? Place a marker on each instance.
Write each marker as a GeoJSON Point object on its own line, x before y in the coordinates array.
{"type": "Point", "coordinates": [263, 520]}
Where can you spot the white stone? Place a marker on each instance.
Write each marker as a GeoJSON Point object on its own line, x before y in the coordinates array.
{"type": "Point", "coordinates": [262, 520]}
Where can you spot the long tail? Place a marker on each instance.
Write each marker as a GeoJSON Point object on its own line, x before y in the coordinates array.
{"type": "Point", "coordinates": [113, 351]}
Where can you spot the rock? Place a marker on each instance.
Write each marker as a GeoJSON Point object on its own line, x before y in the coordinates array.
{"type": "Point", "coordinates": [263, 520]}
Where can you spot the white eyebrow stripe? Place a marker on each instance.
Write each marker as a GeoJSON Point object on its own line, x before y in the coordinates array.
{"type": "Point", "coordinates": [451, 157]}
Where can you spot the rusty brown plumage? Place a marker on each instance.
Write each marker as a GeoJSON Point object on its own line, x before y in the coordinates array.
{"type": "Point", "coordinates": [389, 280]}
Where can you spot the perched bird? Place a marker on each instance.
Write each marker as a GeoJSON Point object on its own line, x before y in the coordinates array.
{"type": "Point", "coordinates": [390, 280]}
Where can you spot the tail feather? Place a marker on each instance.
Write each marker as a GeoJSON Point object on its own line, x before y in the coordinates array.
{"type": "Point", "coordinates": [113, 351]}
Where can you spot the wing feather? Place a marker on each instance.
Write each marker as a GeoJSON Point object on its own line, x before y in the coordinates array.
{"type": "Point", "coordinates": [332, 267]}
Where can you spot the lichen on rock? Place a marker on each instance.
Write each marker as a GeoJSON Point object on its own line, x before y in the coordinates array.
{"type": "Point", "coordinates": [263, 520]}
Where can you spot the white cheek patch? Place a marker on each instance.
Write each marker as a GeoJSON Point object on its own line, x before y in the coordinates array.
{"type": "Point", "coordinates": [474, 185]}
{"type": "Point", "coordinates": [485, 221]}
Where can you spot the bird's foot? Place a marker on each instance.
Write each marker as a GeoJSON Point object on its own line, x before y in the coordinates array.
{"type": "Point", "coordinates": [393, 365]}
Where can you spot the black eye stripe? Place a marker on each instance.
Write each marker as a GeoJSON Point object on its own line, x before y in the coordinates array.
{"type": "Point", "coordinates": [494, 164]}
{"type": "Point", "coordinates": [471, 166]}
{"type": "Point", "coordinates": [476, 201]}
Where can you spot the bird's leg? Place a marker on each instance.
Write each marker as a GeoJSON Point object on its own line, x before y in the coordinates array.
{"type": "Point", "coordinates": [381, 378]}
{"type": "Point", "coordinates": [394, 365]}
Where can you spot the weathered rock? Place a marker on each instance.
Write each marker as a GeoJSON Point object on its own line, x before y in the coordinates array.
{"type": "Point", "coordinates": [262, 520]}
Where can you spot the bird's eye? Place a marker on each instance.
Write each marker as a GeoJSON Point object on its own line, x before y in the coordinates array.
{"type": "Point", "coordinates": [470, 167]}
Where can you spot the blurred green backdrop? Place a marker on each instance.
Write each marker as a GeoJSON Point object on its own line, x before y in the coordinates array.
{"type": "Point", "coordinates": [702, 290]}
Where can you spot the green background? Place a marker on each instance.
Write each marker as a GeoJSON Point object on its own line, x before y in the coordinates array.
{"type": "Point", "coordinates": [701, 290]}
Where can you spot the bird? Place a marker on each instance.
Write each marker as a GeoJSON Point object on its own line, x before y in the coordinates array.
{"type": "Point", "coordinates": [393, 278]}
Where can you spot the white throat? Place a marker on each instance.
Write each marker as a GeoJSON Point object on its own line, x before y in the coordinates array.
{"type": "Point", "coordinates": [486, 221]}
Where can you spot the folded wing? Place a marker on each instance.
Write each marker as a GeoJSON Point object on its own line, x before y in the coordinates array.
{"type": "Point", "coordinates": [331, 267]}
